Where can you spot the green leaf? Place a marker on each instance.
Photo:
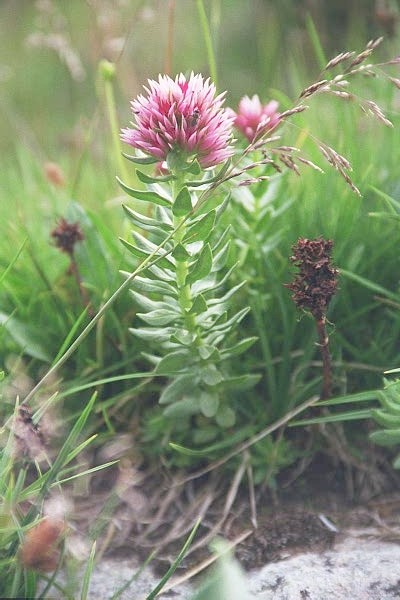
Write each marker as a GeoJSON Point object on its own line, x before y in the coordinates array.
{"type": "Point", "coordinates": [386, 419]}
{"type": "Point", "coordinates": [182, 204]}
{"type": "Point", "coordinates": [210, 375]}
{"type": "Point", "coordinates": [209, 404]}
{"type": "Point", "coordinates": [367, 283]}
{"type": "Point", "coordinates": [146, 222]}
{"type": "Point", "coordinates": [142, 254]}
{"type": "Point", "coordinates": [211, 203]}
{"type": "Point", "coordinates": [148, 179]}
{"type": "Point", "coordinates": [141, 160]}
{"type": "Point", "coordinates": [238, 348]}
{"type": "Point", "coordinates": [147, 304]}
{"type": "Point", "coordinates": [88, 573]}
{"type": "Point", "coordinates": [25, 336]}
{"type": "Point", "coordinates": [194, 167]}
{"type": "Point", "coordinates": [145, 284]}
{"type": "Point", "coordinates": [153, 334]}
{"type": "Point", "coordinates": [206, 351]}
{"type": "Point", "coordinates": [386, 437]}
{"type": "Point", "coordinates": [200, 230]}
{"type": "Point", "coordinates": [199, 305]}
{"type": "Point", "coordinates": [202, 266]}
{"type": "Point", "coordinates": [225, 417]}
{"type": "Point", "coordinates": [352, 415]}
{"type": "Point", "coordinates": [183, 337]}
{"type": "Point", "coordinates": [180, 253]}
{"type": "Point", "coordinates": [221, 258]}
{"type": "Point", "coordinates": [176, 563]}
{"type": "Point", "coordinates": [207, 180]}
{"type": "Point", "coordinates": [144, 195]}
{"type": "Point", "coordinates": [158, 317]}
{"type": "Point", "coordinates": [177, 388]}
{"type": "Point", "coordinates": [182, 408]}
{"type": "Point", "coordinates": [173, 362]}
{"type": "Point", "coordinates": [241, 382]}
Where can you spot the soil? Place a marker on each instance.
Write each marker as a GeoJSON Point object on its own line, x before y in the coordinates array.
{"type": "Point", "coordinates": [308, 515]}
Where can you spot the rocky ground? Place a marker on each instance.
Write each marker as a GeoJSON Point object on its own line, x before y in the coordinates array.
{"type": "Point", "coordinates": [356, 568]}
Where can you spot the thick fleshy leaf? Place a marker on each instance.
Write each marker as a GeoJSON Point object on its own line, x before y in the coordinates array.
{"type": "Point", "coordinates": [386, 419]}
{"type": "Point", "coordinates": [182, 204]}
{"type": "Point", "coordinates": [144, 195]}
{"type": "Point", "coordinates": [180, 253]}
{"type": "Point", "coordinates": [199, 306]}
{"type": "Point", "coordinates": [386, 437]}
{"type": "Point", "coordinates": [221, 257]}
{"type": "Point", "coordinates": [173, 362]}
{"type": "Point", "coordinates": [177, 388]}
{"type": "Point", "coordinates": [145, 222]}
{"type": "Point", "coordinates": [146, 303]}
{"type": "Point", "coordinates": [143, 255]}
{"type": "Point", "coordinates": [211, 203]}
{"type": "Point", "coordinates": [182, 408]}
{"type": "Point", "coordinates": [153, 334]}
{"type": "Point", "coordinates": [206, 352]}
{"type": "Point", "coordinates": [210, 375]}
{"type": "Point", "coordinates": [202, 266]}
{"type": "Point", "coordinates": [241, 382]}
{"type": "Point", "coordinates": [145, 284]}
{"type": "Point", "coordinates": [158, 317]}
{"type": "Point", "coordinates": [200, 230]}
{"type": "Point", "coordinates": [148, 179]}
{"type": "Point", "coordinates": [225, 417]}
{"type": "Point", "coordinates": [141, 160]}
{"type": "Point", "coordinates": [144, 244]}
{"type": "Point", "coordinates": [209, 404]}
{"type": "Point", "coordinates": [238, 348]}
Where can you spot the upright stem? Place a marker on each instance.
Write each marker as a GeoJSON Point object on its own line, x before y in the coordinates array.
{"type": "Point", "coordinates": [107, 72]}
{"type": "Point", "coordinates": [326, 358]}
{"type": "Point", "coordinates": [182, 269]}
{"type": "Point", "coordinates": [212, 65]}
{"type": "Point", "coordinates": [170, 38]}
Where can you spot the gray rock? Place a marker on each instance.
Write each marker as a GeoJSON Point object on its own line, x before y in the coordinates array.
{"type": "Point", "coordinates": [356, 569]}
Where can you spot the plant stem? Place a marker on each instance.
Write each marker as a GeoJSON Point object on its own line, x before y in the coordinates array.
{"type": "Point", "coordinates": [182, 269]}
{"type": "Point", "coordinates": [170, 38]}
{"type": "Point", "coordinates": [326, 358]}
{"type": "Point", "coordinates": [74, 270]}
{"type": "Point", "coordinates": [212, 65]}
{"type": "Point", "coordinates": [107, 72]}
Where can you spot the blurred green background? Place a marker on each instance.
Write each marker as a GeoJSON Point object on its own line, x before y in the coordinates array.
{"type": "Point", "coordinates": [50, 50]}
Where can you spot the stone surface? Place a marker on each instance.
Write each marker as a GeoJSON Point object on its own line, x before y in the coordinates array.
{"type": "Point", "coordinates": [355, 569]}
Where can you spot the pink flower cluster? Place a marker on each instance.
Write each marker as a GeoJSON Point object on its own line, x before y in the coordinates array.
{"type": "Point", "coordinates": [254, 119]}
{"type": "Point", "coordinates": [182, 116]}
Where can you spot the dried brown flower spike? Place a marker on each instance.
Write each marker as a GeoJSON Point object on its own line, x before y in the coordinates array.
{"type": "Point", "coordinates": [316, 282]}
{"type": "Point", "coordinates": [39, 549]}
{"type": "Point", "coordinates": [313, 288]}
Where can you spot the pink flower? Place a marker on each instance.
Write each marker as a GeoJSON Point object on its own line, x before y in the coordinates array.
{"type": "Point", "coordinates": [184, 117]}
{"type": "Point", "coordinates": [254, 119]}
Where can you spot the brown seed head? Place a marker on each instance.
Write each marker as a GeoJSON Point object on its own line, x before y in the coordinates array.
{"type": "Point", "coordinates": [66, 235]}
{"type": "Point", "coordinates": [316, 283]}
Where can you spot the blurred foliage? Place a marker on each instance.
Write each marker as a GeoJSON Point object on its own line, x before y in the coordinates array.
{"type": "Point", "coordinates": [50, 50]}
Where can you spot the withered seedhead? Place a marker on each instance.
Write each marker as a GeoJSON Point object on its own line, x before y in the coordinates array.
{"type": "Point", "coordinates": [316, 283]}
{"type": "Point", "coordinates": [66, 235]}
